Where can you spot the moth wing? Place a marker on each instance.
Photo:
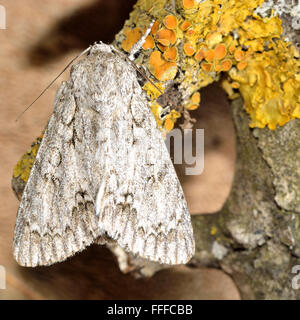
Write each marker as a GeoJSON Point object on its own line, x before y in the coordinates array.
{"type": "Point", "coordinates": [56, 216]}
{"type": "Point", "coordinates": [140, 201]}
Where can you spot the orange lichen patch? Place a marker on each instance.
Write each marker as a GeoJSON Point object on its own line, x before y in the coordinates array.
{"type": "Point", "coordinates": [235, 85]}
{"type": "Point", "coordinates": [173, 37]}
{"type": "Point", "coordinates": [206, 66]}
{"type": "Point", "coordinates": [166, 37]}
{"type": "Point", "coordinates": [239, 55]}
{"type": "Point", "coordinates": [242, 65]}
{"type": "Point", "coordinates": [196, 98]}
{"type": "Point", "coordinates": [188, 49]}
{"type": "Point", "coordinates": [132, 37]}
{"type": "Point", "coordinates": [163, 70]}
{"type": "Point", "coordinates": [171, 54]}
{"type": "Point", "coordinates": [185, 25]}
{"type": "Point", "coordinates": [209, 55]}
{"type": "Point", "coordinates": [191, 106]}
{"type": "Point", "coordinates": [171, 119]}
{"type": "Point", "coordinates": [155, 27]}
{"type": "Point", "coordinates": [220, 51]}
{"type": "Point", "coordinates": [200, 54]}
{"type": "Point", "coordinates": [188, 4]}
{"type": "Point", "coordinates": [226, 65]}
{"type": "Point", "coordinates": [170, 22]}
{"type": "Point", "coordinates": [217, 66]}
{"type": "Point", "coordinates": [169, 124]}
{"type": "Point", "coordinates": [174, 114]}
{"type": "Point", "coordinates": [231, 49]}
{"type": "Point", "coordinates": [126, 31]}
{"type": "Point", "coordinates": [162, 48]}
{"type": "Point", "coordinates": [149, 43]}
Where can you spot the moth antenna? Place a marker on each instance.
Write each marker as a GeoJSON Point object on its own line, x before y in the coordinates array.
{"type": "Point", "coordinates": [50, 84]}
{"type": "Point", "coordinates": [137, 46]}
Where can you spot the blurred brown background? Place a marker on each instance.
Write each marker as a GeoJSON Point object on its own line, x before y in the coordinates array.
{"type": "Point", "coordinates": [41, 37]}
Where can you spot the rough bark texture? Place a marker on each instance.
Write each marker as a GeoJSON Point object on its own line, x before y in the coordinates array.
{"type": "Point", "coordinates": [255, 237]}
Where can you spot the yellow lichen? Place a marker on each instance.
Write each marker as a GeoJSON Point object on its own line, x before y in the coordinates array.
{"type": "Point", "coordinates": [171, 119]}
{"type": "Point", "coordinates": [23, 167]}
{"type": "Point", "coordinates": [213, 230]}
{"type": "Point", "coordinates": [228, 87]}
{"type": "Point", "coordinates": [153, 91]}
{"type": "Point", "coordinates": [156, 110]}
{"type": "Point", "coordinates": [235, 85]}
{"type": "Point", "coordinates": [271, 89]}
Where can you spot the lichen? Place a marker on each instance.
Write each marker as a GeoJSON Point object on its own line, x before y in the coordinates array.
{"type": "Point", "coordinates": [23, 167]}
{"type": "Point", "coordinates": [207, 39]}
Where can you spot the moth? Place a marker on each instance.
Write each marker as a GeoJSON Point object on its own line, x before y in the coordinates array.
{"type": "Point", "coordinates": [102, 171]}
